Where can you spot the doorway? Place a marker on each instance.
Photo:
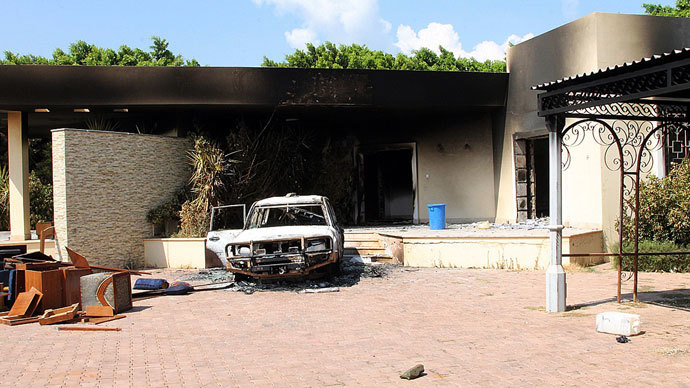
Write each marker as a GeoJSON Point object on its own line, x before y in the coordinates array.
{"type": "Point", "coordinates": [388, 184]}
{"type": "Point", "coordinates": [532, 177]}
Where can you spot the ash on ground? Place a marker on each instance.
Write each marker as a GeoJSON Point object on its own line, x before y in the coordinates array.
{"type": "Point", "coordinates": [350, 274]}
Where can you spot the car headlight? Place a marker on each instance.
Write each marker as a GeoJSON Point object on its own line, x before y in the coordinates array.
{"type": "Point", "coordinates": [240, 250]}
{"type": "Point", "coordinates": [317, 244]}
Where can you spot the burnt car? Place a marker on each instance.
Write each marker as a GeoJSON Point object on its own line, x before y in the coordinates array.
{"type": "Point", "coordinates": [283, 236]}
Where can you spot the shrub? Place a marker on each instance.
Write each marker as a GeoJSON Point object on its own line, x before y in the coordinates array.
{"type": "Point", "coordinates": [210, 165]}
{"type": "Point", "coordinates": [664, 208]}
{"type": "Point", "coordinates": [661, 263]}
{"type": "Point", "coordinates": [40, 203]}
{"type": "Point", "coordinates": [41, 200]}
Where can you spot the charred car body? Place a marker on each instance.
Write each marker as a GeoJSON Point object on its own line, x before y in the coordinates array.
{"type": "Point", "coordinates": [283, 236]}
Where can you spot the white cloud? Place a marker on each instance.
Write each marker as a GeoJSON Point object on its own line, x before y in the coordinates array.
{"type": "Point", "coordinates": [341, 21]}
{"type": "Point", "coordinates": [299, 37]}
{"type": "Point", "coordinates": [569, 8]}
{"type": "Point", "coordinates": [437, 34]}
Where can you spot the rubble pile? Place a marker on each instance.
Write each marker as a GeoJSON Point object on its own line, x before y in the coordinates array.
{"type": "Point", "coordinates": [38, 289]}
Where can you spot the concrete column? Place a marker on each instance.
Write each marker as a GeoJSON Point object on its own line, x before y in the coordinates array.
{"type": "Point", "coordinates": [18, 161]}
{"type": "Point", "coordinates": [555, 275]}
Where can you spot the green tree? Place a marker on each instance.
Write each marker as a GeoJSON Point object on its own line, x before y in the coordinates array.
{"type": "Point", "coordinates": [682, 9]}
{"type": "Point", "coordinates": [83, 53]}
{"type": "Point", "coordinates": [354, 56]}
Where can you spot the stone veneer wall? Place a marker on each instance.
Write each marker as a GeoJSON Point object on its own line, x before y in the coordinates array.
{"type": "Point", "coordinates": [104, 183]}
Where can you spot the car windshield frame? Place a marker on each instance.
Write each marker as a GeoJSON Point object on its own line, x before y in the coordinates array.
{"type": "Point", "coordinates": [254, 220]}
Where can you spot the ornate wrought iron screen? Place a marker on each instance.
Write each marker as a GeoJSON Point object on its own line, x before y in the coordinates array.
{"type": "Point", "coordinates": [634, 112]}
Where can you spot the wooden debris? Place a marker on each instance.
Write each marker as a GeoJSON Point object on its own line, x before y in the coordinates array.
{"type": "Point", "coordinates": [63, 314]}
{"type": "Point", "coordinates": [26, 303]}
{"type": "Point", "coordinates": [17, 320]}
{"type": "Point", "coordinates": [99, 311]}
{"type": "Point", "coordinates": [98, 321]}
{"type": "Point", "coordinates": [87, 328]}
{"type": "Point", "coordinates": [80, 261]}
{"type": "Point", "coordinates": [40, 266]}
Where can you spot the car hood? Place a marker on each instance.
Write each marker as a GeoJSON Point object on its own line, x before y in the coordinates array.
{"type": "Point", "coordinates": [283, 233]}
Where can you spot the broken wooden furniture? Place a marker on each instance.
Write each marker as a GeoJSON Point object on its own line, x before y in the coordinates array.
{"type": "Point", "coordinates": [23, 308]}
{"type": "Point", "coordinates": [63, 314]}
{"type": "Point", "coordinates": [71, 284]}
{"type": "Point", "coordinates": [108, 291]}
{"type": "Point", "coordinates": [49, 283]}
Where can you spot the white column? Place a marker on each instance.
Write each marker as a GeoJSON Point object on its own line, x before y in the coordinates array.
{"type": "Point", "coordinates": [555, 275]}
{"type": "Point", "coordinates": [18, 165]}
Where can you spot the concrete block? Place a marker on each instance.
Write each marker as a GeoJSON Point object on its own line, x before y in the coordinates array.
{"type": "Point", "coordinates": [618, 323]}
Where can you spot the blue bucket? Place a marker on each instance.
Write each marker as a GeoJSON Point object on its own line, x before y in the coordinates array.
{"type": "Point", "coordinates": [437, 216]}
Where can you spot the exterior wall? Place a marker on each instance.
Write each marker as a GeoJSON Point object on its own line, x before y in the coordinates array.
{"type": "Point", "coordinates": [175, 253]}
{"type": "Point", "coordinates": [590, 190]}
{"type": "Point", "coordinates": [454, 165]}
{"type": "Point", "coordinates": [509, 252]}
{"type": "Point", "coordinates": [454, 159]}
{"type": "Point", "coordinates": [105, 183]}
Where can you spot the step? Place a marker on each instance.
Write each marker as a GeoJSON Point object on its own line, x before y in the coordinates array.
{"type": "Point", "coordinates": [361, 235]}
{"type": "Point", "coordinates": [347, 239]}
{"type": "Point", "coordinates": [365, 251]}
{"type": "Point", "coordinates": [362, 244]}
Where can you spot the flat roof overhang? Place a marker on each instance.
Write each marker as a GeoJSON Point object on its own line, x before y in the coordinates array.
{"type": "Point", "coordinates": [30, 87]}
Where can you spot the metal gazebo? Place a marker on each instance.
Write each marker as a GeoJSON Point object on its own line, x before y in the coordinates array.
{"type": "Point", "coordinates": [632, 111]}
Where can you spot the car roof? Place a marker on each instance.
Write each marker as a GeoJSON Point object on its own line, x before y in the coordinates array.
{"type": "Point", "coordinates": [292, 200]}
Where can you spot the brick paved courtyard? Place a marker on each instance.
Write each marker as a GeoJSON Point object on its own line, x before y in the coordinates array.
{"type": "Point", "coordinates": [468, 327]}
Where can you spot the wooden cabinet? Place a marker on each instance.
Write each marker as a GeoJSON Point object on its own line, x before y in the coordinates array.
{"type": "Point", "coordinates": [49, 283]}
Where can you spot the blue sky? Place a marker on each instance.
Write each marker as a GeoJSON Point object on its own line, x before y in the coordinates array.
{"type": "Point", "coordinates": [241, 32]}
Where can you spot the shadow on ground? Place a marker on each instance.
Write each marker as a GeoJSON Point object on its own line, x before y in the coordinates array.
{"type": "Point", "coordinates": [676, 299]}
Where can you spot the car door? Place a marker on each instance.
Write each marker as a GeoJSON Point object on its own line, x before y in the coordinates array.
{"type": "Point", "coordinates": [226, 223]}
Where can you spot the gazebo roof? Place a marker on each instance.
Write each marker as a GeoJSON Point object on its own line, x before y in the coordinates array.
{"type": "Point", "coordinates": [645, 86]}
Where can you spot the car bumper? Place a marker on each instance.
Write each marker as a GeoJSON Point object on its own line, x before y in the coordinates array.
{"type": "Point", "coordinates": [272, 266]}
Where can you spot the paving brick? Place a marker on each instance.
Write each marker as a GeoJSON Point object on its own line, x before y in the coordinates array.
{"type": "Point", "coordinates": [468, 327]}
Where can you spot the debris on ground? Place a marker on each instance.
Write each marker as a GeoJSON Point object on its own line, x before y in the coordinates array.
{"type": "Point", "coordinates": [413, 372]}
{"type": "Point", "coordinates": [622, 339]}
{"type": "Point", "coordinates": [150, 284]}
{"type": "Point", "coordinates": [41, 289]}
{"type": "Point", "coordinates": [318, 290]}
{"type": "Point", "coordinates": [614, 322]}
{"type": "Point", "coordinates": [178, 288]}
{"type": "Point", "coordinates": [350, 274]}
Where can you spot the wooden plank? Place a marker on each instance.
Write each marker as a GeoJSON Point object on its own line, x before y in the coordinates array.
{"type": "Point", "coordinates": [44, 266]}
{"type": "Point", "coordinates": [98, 321]}
{"type": "Point", "coordinates": [80, 261]}
{"type": "Point", "coordinates": [14, 321]}
{"type": "Point", "coordinates": [87, 328]}
{"type": "Point", "coordinates": [26, 303]}
{"type": "Point", "coordinates": [99, 311]}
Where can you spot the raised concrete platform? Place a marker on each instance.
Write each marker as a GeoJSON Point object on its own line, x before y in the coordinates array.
{"type": "Point", "coordinates": [467, 246]}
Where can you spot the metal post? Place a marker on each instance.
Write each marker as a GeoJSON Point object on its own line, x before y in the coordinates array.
{"type": "Point", "coordinates": [555, 274]}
